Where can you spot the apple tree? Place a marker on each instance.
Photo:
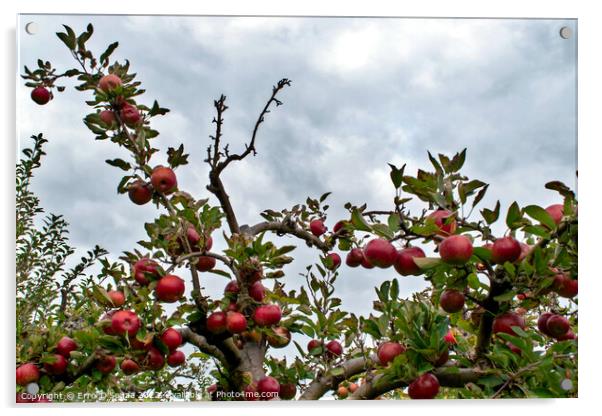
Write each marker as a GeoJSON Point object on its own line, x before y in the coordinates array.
{"type": "Point", "coordinates": [498, 319]}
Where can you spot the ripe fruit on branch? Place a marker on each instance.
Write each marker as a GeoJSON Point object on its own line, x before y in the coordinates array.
{"type": "Point", "coordinates": [170, 288]}
{"type": "Point", "coordinates": [557, 326]}
{"type": "Point", "coordinates": [236, 322]}
{"type": "Point", "coordinates": [145, 270]}
{"type": "Point", "coordinates": [404, 262]}
{"type": "Point", "coordinates": [542, 323]}
{"type": "Point", "coordinates": [205, 263]}
{"type": "Point", "coordinates": [105, 321]}
{"type": "Point", "coordinates": [353, 387]}
{"type": "Point", "coordinates": [124, 322]}
{"type": "Point", "coordinates": [58, 366]}
{"type": "Point", "coordinates": [287, 391]}
{"type": "Point", "coordinates": [280, 339]}
{"type": "Point", "coordinates": [216, 322]}
{"type": "Point", "coordinates": [380, 253]}
{"type": "Point", "coordinates": [154, 359]}
{"type": "Point", "coordinates": [452, 301]}
{"type": "Point", "coordinates": [27, 373]}
{"type": "Point", "coordinates": [556, 211]}
{"type": "Point", "coordinates": [171, 338]}
{"type": "Point", "coordinates": [106, 364]}
{"type": "Point", "coordinates": [366, 263]}
{"type": "Point", "coordinates": [354, 257]}
{"type": "Point", "coordinates": [505, 249]}
{"type": "Point", "coordinates": [267, 315]}
{"type": "Point", "coordinates": [232, 288]}
{"type": "Point", "coordinates": [176, 358]}
{"type": "Point", "coordinates": [456, 249]}
{"type": "Point", "coordinates": [569, 335]}
{"type": "Point", "coordinates": [313, 345]}
{"type": "Point", "coordinates": [339, 228]}
{"type": "Point", "coordinates": [107, 117]}
{"type": "Point", "coordinates": [257, 291]}
{"type": "Point", "coordinates": [268, 386]}
{"type": "Point", "coordinates": [65, 346]}
{"type": "Point", "coordinates": [164, 180]}
{"type": "Point", "coordinates": [334, 349]}
{"type": "Point", "coordinates": [446, 225]}
{"type": "Point", "coordinates": [129, 366]}
{"type": "Point", "coordinates": [317, 227]}
{"type": "Point", "coordinates": [342, 392]}
{"type": "Point", "coordinates": [442, 359]}
{"type": "Point", "coordinates": [130, 115]}
{"type": "Point", "coordinates": [117, 297]}
{"type": "Point", "coordinates": [424, 387]}
{"type": "Point", "coordinates": [40, 95]}
{"type": "Point", "coordinates": [109, 82]}
{"type": "Point", "coordinates": [333, 261]}
{"type": "Point", "coordinates": [505, 322]}
{"type": "Point", "coordinates": [524, 251]}
{"type": "Point", "coordinates": [565, 286]}
{"type": "Point", "coordinates": [140, 192]}
{"type": "Point", "coordinates": [388, 351]}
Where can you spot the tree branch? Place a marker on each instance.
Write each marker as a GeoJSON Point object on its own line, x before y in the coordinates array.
{"type": "Point", "coordinates": [289, 227]}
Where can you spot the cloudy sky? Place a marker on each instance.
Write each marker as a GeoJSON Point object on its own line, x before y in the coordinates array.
{"type": "Point", "coordinates": [365, 92]}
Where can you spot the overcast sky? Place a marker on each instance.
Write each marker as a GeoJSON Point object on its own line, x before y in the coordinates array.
{"type": "Point", "coordinates": [365, 92]}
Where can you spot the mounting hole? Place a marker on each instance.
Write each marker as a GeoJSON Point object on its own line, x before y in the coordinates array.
{"type": "Point", "coordinates": [31, 28]}
{"type": "Point", "coordinates": [566, 32]}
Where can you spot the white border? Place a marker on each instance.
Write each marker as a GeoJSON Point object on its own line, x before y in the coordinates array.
{"type": "Point", "coordinates": [590, 32]}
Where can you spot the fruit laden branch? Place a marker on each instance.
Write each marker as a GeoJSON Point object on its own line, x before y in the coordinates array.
{"type": "Point", "coordinates": [498, 318]}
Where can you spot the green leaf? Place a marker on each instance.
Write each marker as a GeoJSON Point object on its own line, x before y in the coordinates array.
{"type": "Point", "coordinates": [513, 216]}
{"type": "Point", "coordinates": [397, 175]}
{"type": "Point", "coordinates": [119, 163]}
{"type": "Point", "coordinates": [358, 221]}
{"type": "Point", "coordinates": [107, 53]}
{"type": "Point", "coordinates": [541, 215]}
{"type": "Point", "coordinates": [436, 164]}
{"type": "Point", "coordinates": [491, 216]}
{"type": "Point", "coordinates": [457, 161]}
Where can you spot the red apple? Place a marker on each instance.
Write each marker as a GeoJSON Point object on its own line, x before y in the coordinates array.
{"type": "Point", "coordinates": [380, 253]}
{"type": "Point", "coordinates": [335, 261]}
{"type": "Point", "coordinates": [236, 322]}
{"type": "Point", "coordinates": [145, 270]}
{"type": "Point", "coordinates": [106, 364]}
{"type": "Point", "coordinates": [317, 227]}
{"type": "Point", "coordinates": [40, 95]}
{"type": "Point", "coordinates": [124, 322]}
{"type": "Point", "coordinates": [442, 359]}
{"type": "Point", "coordinates": [268, 387]}
{"type": "Point", "coordinates": [140, 192]}
{"type": "Point", "coordinates": [505, 249]}
{"type": "Point", "coordinates": [339, 228]}
{"type": "Point", "coordinates": [456, 249]}
{"type": "Point", "coordinates": [232, 288]}
{"type": "Point", "coordinates": [164, 180]}
{"type": "Point", "coordinates": [287, 391]}
{"type": "Point", "coordinates": [280, 339]}
{"type": "Point", "coordinates": [107, 117]}
{"type": "Point", "coordinates": [353, 387]}
{"type": "Point", "coordinates": [342, 392]}
{"type": "Point", "coordinates": [424, 387]}
{"type": "Point", "coordinates": [129, 366]}
{"type": "Point", "coordinates": [505, 322]}
{"type": "Point", "coordinates": [130, 115]}
{"type": "Point", "coordinates": [542, 323]}
{"type": "Point", "coordinates": [452, 301]}
{"type": "Point", "coordinates": [216, 322]}
{"type": "Point", "coordinates": [440, 217]}
{"type": "Point", "coordinates": [404, 263]}
{"type": "Point", "coordinates": [171, 338]}
{"type": "Point", "coordinates": [170, 288]}
{"type": "Point", "coordinates": [205, 263]}
{"type": "Point", "coordinates": [556, 211]}
{"type": "Point", "coordinates": [313, 345]}
{"type": "Point", "coordinates": [267, 315]}
{"type": "Point", "coordinates": [154, 359]}
{"type": "Point", "coordinates": [117, 297]}
{"type": "Point", "coordinates": [176, 358]}
{"type": "Point", "coordinates": [57, 367]}
{"type": "Point", "coordinates": [65, 346]}
{"type": "Point", "coordinates": [388, 351]}
{"type": "Point", "coordinates": [109, 82]}
{"type": "Point", "coordinates": [366, 263]}
{"type": "Point", "coordinates": [27, 373]}
{"type": "Point", "coordinates": [525, 249]}
{"type": "Point", "coordinates": [568, 336]}
{"type": "Point", "coordinates": [565, 286]}
{"type": "Point", "coordinates": [334, 348]}
{"type": "Point", "coordinates": [558, 326]}
{"type": "Point", "coordinates": [354, 257]}
{"type": "Point", "coordinates": [257, 291]}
